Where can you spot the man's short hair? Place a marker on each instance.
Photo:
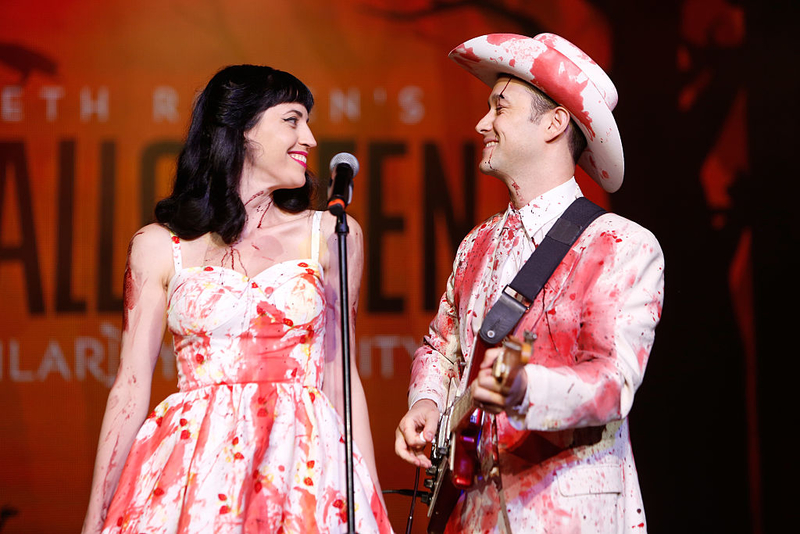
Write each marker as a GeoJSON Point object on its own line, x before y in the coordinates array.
{"type": "Point", "coordinates": [540, 104]}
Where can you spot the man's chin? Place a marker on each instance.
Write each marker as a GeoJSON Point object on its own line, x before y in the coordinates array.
{"type": "Point", "coordinates": [485, 166]}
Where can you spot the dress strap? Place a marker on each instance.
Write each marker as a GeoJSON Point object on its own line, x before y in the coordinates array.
{"type": "Point", "coordinates": [176, 252]}
{"type": "Point", "coordinates": [315, 233]}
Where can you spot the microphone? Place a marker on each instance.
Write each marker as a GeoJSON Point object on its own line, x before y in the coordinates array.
{"type": "Point", "coordinates": [344, 167]}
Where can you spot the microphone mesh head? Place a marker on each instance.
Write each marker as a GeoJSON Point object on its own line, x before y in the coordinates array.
{"type": "Point", "coordinates": [347, 158]}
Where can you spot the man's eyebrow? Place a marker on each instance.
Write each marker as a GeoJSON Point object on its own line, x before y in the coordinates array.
{"type": "Point", "coordinates": [493, 98]}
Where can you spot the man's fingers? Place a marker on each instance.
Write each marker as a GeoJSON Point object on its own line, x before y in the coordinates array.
{"type": "Point", "coordinates": [413, 455]}
{"type": "Point", "coordinates": [401, 447]}
{"type": "Point", "coordinates": [416, 429]}
{"type": "Point", "coordinates": [412, 431]}
{"type": "Point", "coordinates": [489, 357]}
{"type": "Point", "coordinates": [486, 391]}
{"type": "Point", "coordinates": [431, 424]}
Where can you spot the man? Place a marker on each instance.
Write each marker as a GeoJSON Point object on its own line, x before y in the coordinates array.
{"type": "Point", "coordinates": [560, 433]}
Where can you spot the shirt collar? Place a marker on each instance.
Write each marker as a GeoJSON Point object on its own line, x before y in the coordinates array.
{"type": "Point", "coordinates": [539, 215]}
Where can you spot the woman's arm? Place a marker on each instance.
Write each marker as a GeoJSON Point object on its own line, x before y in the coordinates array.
{"type": "Point", "coordinates": [148, 269]}
{"type": "Point", "coordinates": [362, 435]}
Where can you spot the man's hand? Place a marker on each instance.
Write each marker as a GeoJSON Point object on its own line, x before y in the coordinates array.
{"type": "Point", "coordinates": [489, 393]}
{"type": "Point", "coordinates": [417, 428]}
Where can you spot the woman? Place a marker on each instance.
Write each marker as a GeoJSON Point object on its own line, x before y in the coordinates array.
{"type": "Point", "coordinates": [245, 276]}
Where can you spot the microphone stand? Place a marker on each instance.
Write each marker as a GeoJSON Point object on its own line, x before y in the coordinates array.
{"type": "Point", "coordinates": [342, 230]}
{"type": "Point", "coordinates": [344, 167]}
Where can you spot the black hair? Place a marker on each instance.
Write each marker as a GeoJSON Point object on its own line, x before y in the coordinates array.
{"type": "Point", "coordinates": [205, 195]}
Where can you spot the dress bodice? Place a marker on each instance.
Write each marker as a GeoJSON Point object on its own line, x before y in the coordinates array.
{"type": "Point", "coordinates": [228, 327]}
{"type": "Point", "coordinates": [231, 328]}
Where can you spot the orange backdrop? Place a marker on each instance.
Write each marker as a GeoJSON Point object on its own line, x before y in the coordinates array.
{"type": "Point", "coordinates": [95, 98]}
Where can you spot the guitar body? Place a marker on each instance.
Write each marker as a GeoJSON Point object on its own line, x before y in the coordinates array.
{"type": "Point", "coordinates": [447, 496]}
{"type": "Point", "coordinates": [465, 454]}
{"type": "Point", "coordinates": [455, 456]}
{"type": "Point", "coordinates": [454, 474]}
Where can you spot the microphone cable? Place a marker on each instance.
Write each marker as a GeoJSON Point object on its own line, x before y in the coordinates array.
{"type": "Point", "coordinates": [414, 494]}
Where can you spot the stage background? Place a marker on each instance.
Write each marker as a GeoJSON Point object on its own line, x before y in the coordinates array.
{"type": "Point", "coordinates": [95, 98]}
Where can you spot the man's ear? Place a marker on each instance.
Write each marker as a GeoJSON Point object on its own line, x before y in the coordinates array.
{"type": "Point", "coordinates": [558, 122]}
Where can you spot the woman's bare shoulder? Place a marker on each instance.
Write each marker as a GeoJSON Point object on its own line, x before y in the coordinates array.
{"type": "Point", "coordinates": [329, 221]}
{"type": "Point", "coordinates": [150, 249]}
{"type": "Point", "coordinates": [153, 237]}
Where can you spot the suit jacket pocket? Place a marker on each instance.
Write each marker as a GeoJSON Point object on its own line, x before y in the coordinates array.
{"type": "Point", "coordinates": [590, 480]}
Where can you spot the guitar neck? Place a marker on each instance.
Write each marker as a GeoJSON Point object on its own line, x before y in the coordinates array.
{"type": "Point", "coordinates": [462, 407]}
{"type": "Point", "coordinates": [515, 354]}
{"type": "Point", "coordinates": [478, 353]}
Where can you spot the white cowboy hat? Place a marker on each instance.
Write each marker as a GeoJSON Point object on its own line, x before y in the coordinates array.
{"type": "Point", "coordinates": [567, 75]}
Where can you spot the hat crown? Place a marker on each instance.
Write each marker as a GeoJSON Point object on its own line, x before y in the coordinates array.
{"type": "Point", "coordinates": [593, 71]}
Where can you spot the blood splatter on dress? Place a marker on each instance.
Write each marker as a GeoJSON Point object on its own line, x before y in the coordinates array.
{"type": "Point", "coordinates": [250, 443]}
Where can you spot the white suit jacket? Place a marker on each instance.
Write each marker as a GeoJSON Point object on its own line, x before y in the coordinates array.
{"type": "Point", "coordinates": [565, 453]}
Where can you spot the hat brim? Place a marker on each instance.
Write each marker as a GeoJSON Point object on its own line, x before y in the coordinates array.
{"type": "Point", "coordinates": [538, 62]}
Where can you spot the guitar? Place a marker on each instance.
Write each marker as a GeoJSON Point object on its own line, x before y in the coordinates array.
{"type": "Point", "coordinates": [454, 454]}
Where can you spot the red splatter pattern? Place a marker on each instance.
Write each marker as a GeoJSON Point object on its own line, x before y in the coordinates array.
{"type": "Point", "coordinates": [565, 453]}
{"type": "Point", "coordinates": [241, 446]}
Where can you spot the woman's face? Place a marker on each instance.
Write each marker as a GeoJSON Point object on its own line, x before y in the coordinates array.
{"type": "Point", "coordinates": [277, 148]}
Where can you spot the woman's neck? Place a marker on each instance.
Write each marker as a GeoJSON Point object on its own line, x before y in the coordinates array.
{"type": "Point", "coordinates": [258, 207]}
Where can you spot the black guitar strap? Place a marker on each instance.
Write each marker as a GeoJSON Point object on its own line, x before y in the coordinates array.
{"type": "Point", "coordinates": [517, 297]}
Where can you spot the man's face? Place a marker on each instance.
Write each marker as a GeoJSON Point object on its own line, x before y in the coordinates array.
{"type": "Point", "coordinates": [510, 138]}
